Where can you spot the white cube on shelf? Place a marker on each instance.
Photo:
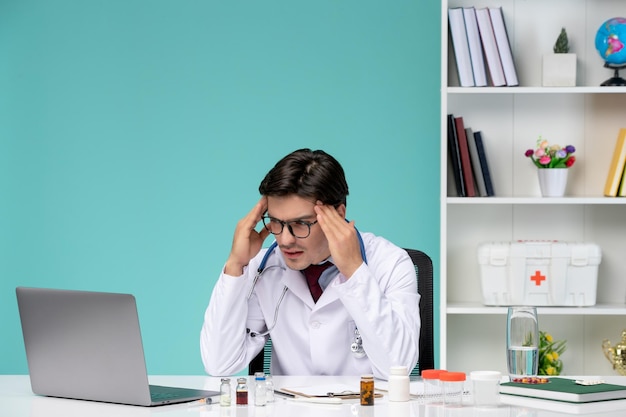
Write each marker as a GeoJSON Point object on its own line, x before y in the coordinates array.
{"type": "Point", "coordinates": [559, 70]}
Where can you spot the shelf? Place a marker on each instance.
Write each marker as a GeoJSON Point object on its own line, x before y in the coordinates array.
{"type": "Point", "coordinates": [587, 116]}
{"type": "Point", "coordinates": [535, 200]}
{"type": "Point", "coordinates": [536, 90]}
{"type": "Point", "coordinates": [597, 310]}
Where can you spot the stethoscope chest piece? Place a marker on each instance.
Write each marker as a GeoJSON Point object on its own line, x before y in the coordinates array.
{"type": "Point", "coordinates": [357, 346]}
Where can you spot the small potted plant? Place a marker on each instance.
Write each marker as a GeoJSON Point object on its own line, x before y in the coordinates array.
{"type": "Point", "coordinates": [552, 162]}
{"type": "Point", "coordinates": [551, 156]}
{"type": "Point", "coordinates": [559, 68]}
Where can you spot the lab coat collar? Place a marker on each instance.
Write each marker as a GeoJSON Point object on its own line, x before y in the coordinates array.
{"type": "Point", "coordinates": [295, 281]}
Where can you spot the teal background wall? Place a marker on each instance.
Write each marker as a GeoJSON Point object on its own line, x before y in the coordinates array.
{"type": "Point", "coordinates": [134, 134]}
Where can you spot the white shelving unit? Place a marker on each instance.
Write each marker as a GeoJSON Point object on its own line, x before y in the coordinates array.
{"type": "Point", "coordinates": [511, 118]}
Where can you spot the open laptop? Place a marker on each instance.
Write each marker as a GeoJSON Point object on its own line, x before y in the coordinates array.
{"type": "Point", "coordinates": [87, 345]}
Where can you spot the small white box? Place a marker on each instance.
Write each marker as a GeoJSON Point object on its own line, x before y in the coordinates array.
{"type": "Point", "coordinates": [539, 273]}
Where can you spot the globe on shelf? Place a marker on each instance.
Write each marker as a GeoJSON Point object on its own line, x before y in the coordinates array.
{"type": "Point", "coordinates": [610, 42]}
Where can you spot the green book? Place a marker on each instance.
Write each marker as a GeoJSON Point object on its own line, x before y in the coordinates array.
{"type": "Point", "coordinates": [562, 389]}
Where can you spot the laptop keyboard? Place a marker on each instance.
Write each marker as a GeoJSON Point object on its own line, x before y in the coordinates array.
{"type": "Point", "coordinates": [159, 393]}
{"type": "Point", "coordinates": [165, 394]}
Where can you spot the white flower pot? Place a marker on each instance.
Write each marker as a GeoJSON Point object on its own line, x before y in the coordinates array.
{"type": "Point", "coordinates": [552, 181]}
{"type": "Point", "coordinates": [559, 70]}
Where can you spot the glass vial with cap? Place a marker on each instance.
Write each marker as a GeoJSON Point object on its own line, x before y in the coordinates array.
{"type": "Point", "coordinates": [225, 392]}
{"type": "Point", "coordinates": [398, 384]}
{"type": "Point", "coordinates": [242, 392]}
{"type": "Point", "coordinates": [269, 384]}
{"type": "Point", "coordinates": [260, 389]}
{"type": "Point", "coordinates": [367, 390]}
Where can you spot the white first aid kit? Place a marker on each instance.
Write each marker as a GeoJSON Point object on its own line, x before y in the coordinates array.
{"type": "Point", "coordinates": [539, 273]}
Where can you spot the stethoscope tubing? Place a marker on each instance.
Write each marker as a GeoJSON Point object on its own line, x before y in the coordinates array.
{"type": "Point", "coordinates": [262, 268]}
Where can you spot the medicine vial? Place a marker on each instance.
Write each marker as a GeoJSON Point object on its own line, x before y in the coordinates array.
{"type": "Point", "coordinates": [242, 392]}
{"type": "Point", "coordinates": [269, 384]}
{"type": "Point", "coordinates": [367, 390]}
{"type": "Point", "coordinates": [398, 384]}
{"type": "Point", "coordinates": [225, 392]}
{"type": "Point", "coordinates": [260, 389]}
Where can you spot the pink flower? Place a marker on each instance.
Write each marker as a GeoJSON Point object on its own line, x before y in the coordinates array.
{"type": "Point", "coordinates": [551, 156]}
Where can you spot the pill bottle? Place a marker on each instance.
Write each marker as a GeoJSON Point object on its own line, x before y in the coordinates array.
{"type": "Point", "coordinates": [242, 392]}
{"type": "Point", "coordinates": [452, 384]}
{"type": "Point", "coordinates": [367, 390]}
{"type": "Point", "coordinates": [260, 389]}
{"type": "Point", "coordinates": [433, 393]}
{"type": "Point", "coordinates": [398, 384]}
{"type": "Point", "coordinates": [225, 392]}
{"type": "Point", "coordinates": [486, 388]}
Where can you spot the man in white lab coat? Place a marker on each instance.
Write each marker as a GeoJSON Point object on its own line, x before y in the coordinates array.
{"type": "Point", "coordinates": [367, 316]}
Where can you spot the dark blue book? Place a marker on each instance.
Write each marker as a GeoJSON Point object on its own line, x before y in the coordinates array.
{"type": "Point", "coordinates": [484, 165]}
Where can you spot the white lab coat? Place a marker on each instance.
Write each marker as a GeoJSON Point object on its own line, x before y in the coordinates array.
{"type": "Point", "coordinates": [310, 338]}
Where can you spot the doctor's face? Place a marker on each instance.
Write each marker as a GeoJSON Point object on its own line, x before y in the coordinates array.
{"type": "Point", "coordinates": [298, 252]}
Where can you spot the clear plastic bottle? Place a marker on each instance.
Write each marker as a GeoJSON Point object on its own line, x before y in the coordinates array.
{"type": "Point", "coordinates": [433, 394]}
{"type": "Point", "coordinates": [260, 389]}
{"type": "Point", "coordinates": [225, 392]}
{"type": "Point", "coordinates": [242, 391]}
{"type": "Point", "coordinates": [398, 384]}
{"type": "Point", "coordinates": [269, 384]}
{"type": "Point", "coordinates": [453, 384]}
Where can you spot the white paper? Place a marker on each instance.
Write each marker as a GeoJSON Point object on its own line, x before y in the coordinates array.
{"type": "Point", "coordinates": [324, 390]}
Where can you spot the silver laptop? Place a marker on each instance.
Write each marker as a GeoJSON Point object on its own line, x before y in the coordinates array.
{"type": "Point", "coordinates": [87, 345]}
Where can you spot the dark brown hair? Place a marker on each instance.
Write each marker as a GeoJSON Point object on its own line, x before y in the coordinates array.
{"type": "Point", "coordinates": [313, 175]}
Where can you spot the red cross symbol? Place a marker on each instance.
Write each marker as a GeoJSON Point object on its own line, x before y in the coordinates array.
{"type": "Point", "coordinates": [537, 278]}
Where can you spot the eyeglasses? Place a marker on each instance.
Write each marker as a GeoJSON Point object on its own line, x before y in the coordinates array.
{"type": "Point", "coordinates": [298, 228]}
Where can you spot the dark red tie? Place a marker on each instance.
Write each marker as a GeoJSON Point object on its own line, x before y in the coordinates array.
{"type": "Point", "coordinates": [312, 274]}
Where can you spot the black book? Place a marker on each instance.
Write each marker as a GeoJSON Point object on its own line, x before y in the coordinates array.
{"type": "Point", "coordinates": [482, 155]}
{"type": "Point", "coordinates": [455, 157]}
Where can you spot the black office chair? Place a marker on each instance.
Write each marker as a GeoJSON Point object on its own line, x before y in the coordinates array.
{"type": "Point", "coordinates": [424, 271]}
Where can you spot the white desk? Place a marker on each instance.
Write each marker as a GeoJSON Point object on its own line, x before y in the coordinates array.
{"type": "Point", "coordinates": [17, 400]}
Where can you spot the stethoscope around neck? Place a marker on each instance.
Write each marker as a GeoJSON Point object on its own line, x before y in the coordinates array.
{"type": "Point", "coordinates": [356, 347]}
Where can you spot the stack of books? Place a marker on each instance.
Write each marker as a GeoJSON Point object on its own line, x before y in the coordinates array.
{"type": "Point", "coordinates": [615, 185]}
{"type": "Point", "coordinates": [481, 47]}
{"type": "Point", "coordinates": [468, 157]}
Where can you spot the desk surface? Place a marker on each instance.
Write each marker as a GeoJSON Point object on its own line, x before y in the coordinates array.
{"type": "Point", "coordinates": [17, 400]}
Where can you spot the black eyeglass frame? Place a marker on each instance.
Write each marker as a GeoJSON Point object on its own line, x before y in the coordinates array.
{"type": "Point", "coordinates": [288, 224]}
